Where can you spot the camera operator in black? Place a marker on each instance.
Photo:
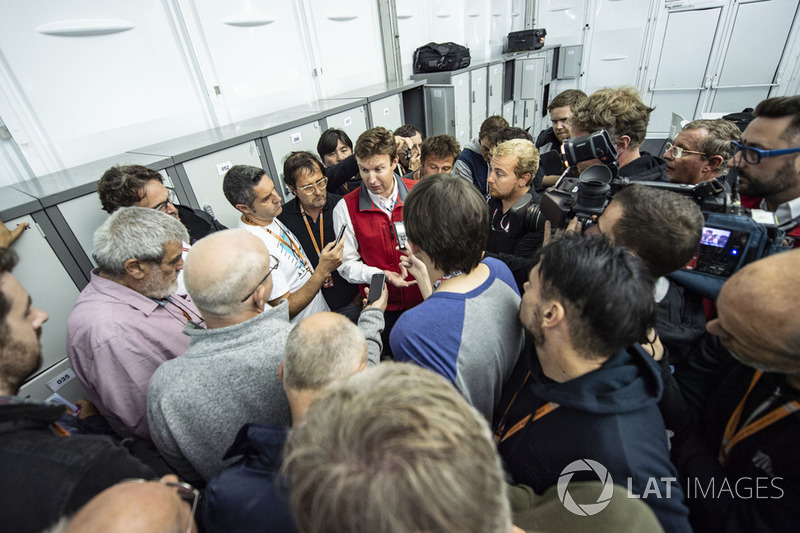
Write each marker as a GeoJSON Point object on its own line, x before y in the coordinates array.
{"type": "Point", "coordinates": [624, 116]}
{"type": "Point", "coordinates": [662, 228]}
{"type": "Point", "coordinates": [513, 165]}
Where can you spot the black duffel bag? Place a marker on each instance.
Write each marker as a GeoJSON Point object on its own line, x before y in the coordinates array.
{"type": "Point", "coordinates": [437, 57]}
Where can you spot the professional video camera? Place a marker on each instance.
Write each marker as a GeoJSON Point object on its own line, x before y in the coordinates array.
{"type": "Point", "coordinates": [732, 235]}
{"type": "Point", "coordinates": [581, 197]}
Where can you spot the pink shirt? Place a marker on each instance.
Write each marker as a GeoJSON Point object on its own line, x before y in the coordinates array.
{"type": "Point", "coordinates": [116, 338]}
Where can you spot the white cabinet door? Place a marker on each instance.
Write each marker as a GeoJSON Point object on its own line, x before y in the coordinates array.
{"type": "Point", "coordinates": [476, 28]}
{"type": "Point", "coordinates": [87, 80]}
{"type": "Point", "coordinates": [352, 121]}
{"type": "Point", "coordinates": [496, 89]}
{"type": "Point", "coordinates": [613, 56]}
{"type": "Point", "coordinates": [462, 96]}
{"type": "Point", "coordinates": [500, 25]}
{"type": "Point", "coordinates": [757, 40]}
{"type": "Point", "coordinates": [563, 19]}
{"type": "Point", "coordinates": [205, 175]}
{"type": "Point", "coordinates": [479, 89]}
{"type": "Point", "coordinates": [252, 54]}
{"type": "Point", "coordinates": [413, 26]}
{"type": "Point", "coordinates": [386, 112]}
{"type": "Point", "coordinates": [348, 44]}
{"type": "Point", "coordinates": [280, 144]}
{"type": "Point", "coordinates": [680, 69]}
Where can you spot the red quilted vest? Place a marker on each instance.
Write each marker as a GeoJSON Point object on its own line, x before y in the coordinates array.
{"type": "Point", "coordinates": [376, 240]}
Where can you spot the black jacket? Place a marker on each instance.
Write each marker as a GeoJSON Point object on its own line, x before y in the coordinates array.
{"type": "Point", "coordinates": [248, 496]}
{"type": "Point", "coordinates": [758, 488]}
{"type": "Point", "coordinates": [608, 415]}
{"type": "Point", "coordinates": [197, 222]}
{"type": "Point", "coordinates": [510, 242]}
{"type": "Point", "coordinates": [342, 292]}
{"type": "Point", "coordinates": [46, 476]}
{"type": "Point", "coordinates": [648, 167]}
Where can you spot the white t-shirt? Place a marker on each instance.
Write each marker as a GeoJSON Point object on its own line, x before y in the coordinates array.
{"type": "Point", "coordinates": [294, 268]}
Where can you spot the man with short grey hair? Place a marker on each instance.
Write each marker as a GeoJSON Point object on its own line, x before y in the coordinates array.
{"type": "Point", "coordinates": [701, 151]}
{"type": "Point", "coordinates": [321, 351]}
{"type": "Point", "coordinates": [399, 434]}
{"type": "Point", "coordinates": [229, 276]}
{"type": "Point", "coordinates": [128, 319]}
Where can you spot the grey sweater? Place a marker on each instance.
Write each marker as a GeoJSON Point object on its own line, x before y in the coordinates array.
{"type": "Point", "coordinates": [228, 377]}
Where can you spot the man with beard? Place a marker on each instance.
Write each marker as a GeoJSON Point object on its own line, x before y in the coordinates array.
{"type": "Point", "coordinates": [45, 475]}
{"type": "Point", "coordinates": [768, 163]}
{"type": "Point", "coordinates": [128, 319]}
{"type": "Point", "coordinates": [585, 390]}
{"type": "Point", "coordinates": [513, 165]}
{"type": "Point", "coordinates": [309, 216]}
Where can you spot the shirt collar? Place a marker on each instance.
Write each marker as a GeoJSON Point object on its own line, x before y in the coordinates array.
{"type": "Point", "coordinates": [385, 204]}
{"type": "Point", "coordinates": [787, 213]}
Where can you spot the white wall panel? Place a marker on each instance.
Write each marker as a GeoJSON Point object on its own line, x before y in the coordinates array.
{"type": "Point", "coordinates": [94, 78]}
{"type": "Point", "coordinates": [447, 20]}
{"type": "Point", "coordinates": [476, 28]}
{"type": "Point", "coordinates": [681, 67]}
{"type": "Point", "coordinates": [517, 15]}
{"type": "Point", "coordinates": [612, 57]}
{"type": "Point", "coordinates": [348, 44]}
{"type": "Point", "coordinates": [770, 21]}
{"type": "Point", "coordinates": [500, 25]}
{"type": "Point", "coordinates": [253, 51]}
{"type": "Point", "coordinates": [563, 20]}
{"type": "Point", "coordinates": [414, 28]}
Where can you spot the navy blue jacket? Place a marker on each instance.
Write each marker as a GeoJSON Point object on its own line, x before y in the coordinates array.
{"type": "Point", "coordinates": [608, 415]}
{"type": "Point", "coordinates": [248, 495]}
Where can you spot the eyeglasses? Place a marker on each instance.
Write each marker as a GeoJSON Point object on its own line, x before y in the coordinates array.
{"type": "Point", "coordinates": [753, 156]}
{"type": "Point", "coordinates": [274, 262]}
{"type": "Point", "coordinates": [319, 184]}
{"type": "Point", "coordinates": [186, 492]}
{"type": "Point", "coordinates": [171, 199]}
{"type": "Point", "coordinates": [677, 151]}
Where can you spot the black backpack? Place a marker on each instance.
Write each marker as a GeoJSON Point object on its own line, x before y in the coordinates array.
{"type": "Point", "coordinates": [437, 57]}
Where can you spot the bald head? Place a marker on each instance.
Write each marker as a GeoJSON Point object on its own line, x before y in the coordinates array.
{"type": "Point", "coordinates": [223, 268]}
{"type": "Point", "coordinates": [757, 314]}
{"type": "Point", "coordinates": [149, 507]}
{"type": "Point", "coordinates": [323, 348]}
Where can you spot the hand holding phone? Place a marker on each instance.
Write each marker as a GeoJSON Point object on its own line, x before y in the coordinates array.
{"type": "Point", "coordinates": [375, 288]}
{"type": "Point", "coordinates": [400, 235]}
{"type": "Point", "coordinates": [341, 234]}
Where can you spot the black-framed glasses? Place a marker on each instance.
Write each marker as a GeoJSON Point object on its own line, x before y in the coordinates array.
{"type": "Point", "coordinates": [753, 156]}
{"type": "Point", "coordinates": [677, 151]}
{"type": "Point", "coordinates": [273, 261]}
{"type": "Point", "coordinates": [187, 493]}
{"type": "Point", "coordinates": [171, 199]}
{"type": "Point", "coordinates": [319, 184]}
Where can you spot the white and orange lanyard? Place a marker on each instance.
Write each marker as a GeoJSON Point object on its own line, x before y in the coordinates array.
{"type": "Point", "coordinates": [731, 437]}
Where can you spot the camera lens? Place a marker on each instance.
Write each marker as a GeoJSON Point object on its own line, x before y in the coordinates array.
{"type": "Point", "coordinates": [593, 190]}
